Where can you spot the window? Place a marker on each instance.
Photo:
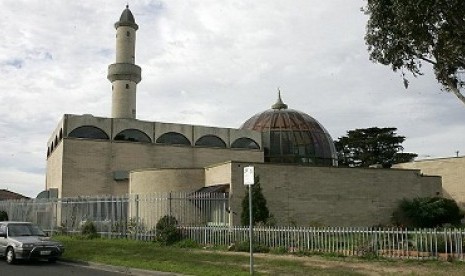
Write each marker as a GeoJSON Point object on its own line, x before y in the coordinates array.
{"type": "Point", "coordinates": [127, 86]}
{"type": "Point", "coordinates": [173, 138]}
{"type": "Point", "coordinates": [133, 135]}
{"type": "Point", "coordinates": [210, 141]}
{"type": "Point", "coordinates": [89, 132]}
{"type": "Point", "coordinates": [245, 143]}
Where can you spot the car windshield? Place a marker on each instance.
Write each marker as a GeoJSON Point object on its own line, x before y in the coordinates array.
{"type": "Point", "coordinates": [18, 230]}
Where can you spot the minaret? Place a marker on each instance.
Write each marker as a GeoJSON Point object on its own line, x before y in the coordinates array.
{"type": "Point", "coordinates": [124, 74]}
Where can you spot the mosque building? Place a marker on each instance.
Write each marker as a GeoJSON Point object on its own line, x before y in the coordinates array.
{"type": "Point", "coordinates": [293, 154]}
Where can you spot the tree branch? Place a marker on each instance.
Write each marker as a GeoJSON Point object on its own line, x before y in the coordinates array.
{"type": "Point", "coordinates": [454, 89]}
{"type": "Point", "coordinates": [427, 60]}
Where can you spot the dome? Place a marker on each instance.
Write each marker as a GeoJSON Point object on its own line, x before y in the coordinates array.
{"type": "Point", "coordinates": [291, 136]}
{"type": "Point", "coordinates": [127, 19]}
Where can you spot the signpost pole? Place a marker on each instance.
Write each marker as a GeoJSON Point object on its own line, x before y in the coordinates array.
{"type": "Point", "coordinates": [250, 230]}
{"type": "Point", "coordinates": [249, 180]}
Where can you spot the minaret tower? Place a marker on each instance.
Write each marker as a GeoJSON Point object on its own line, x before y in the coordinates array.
{"type": "Point", "coordinates": [124, 74]}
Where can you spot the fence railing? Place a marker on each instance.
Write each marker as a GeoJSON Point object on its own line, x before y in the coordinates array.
{"type": "Point", "coordinates": [204, 217]}
{"type": "Point", "coordinates": [393, 242]}
{"type": "Point", "coordinates": [131, 214]}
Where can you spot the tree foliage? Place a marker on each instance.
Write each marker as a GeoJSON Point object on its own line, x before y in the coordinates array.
{"type": "Point", "coordinates": [260, 212]}
{"type": "Point", "coordinates": [167, 231]}
{"type": "Point", "coordinates": [427, 212]}
{"type": "Point", "coordinates": [372, 146]}
{"type": "Point", "coordinates": [405, 34]}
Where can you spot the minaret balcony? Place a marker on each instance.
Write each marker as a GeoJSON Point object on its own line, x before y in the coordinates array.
{"type": "Point", "coordinates": [124, 71]}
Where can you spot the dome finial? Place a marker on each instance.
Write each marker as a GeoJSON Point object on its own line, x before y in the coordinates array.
{"type": "Point", "coordinates": [279, 103]}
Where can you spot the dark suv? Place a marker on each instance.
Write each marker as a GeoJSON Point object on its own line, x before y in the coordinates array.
{"type": "Point", "coordinates": [24, 240]}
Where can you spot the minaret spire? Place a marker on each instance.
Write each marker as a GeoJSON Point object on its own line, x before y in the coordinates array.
{"type": "Point", "coordinates": [124, 74]}
{"type": "Point", "coordinates": [279, 103]}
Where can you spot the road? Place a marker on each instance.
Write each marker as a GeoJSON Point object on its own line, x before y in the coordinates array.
{"type": "Point", "coordinates": [41, 268]}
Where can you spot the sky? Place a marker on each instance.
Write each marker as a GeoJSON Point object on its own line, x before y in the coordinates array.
{"type": "Point", "coordinates": [206, 62]}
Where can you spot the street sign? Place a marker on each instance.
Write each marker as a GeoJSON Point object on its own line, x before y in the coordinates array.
{"type": "Point", "coordinates": [249, 176]}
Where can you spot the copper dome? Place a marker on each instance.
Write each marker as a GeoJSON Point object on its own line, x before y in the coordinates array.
{"type": "Point", "coordinates": [291, 136]}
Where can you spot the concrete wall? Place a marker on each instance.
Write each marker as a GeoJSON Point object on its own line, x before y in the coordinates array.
{"type": "Point", "coordinates": [88, 166]}
{"type": "Point", "coordinates": [166, 180]}
{"type": "Point", "coordinates": [331, 196]}
{"type": "Point", "coordinates": [218, 174]}
{"type": "Point", "coordinates": [452, 171]}
{"type": "Point", "coordinates": [54, 173]}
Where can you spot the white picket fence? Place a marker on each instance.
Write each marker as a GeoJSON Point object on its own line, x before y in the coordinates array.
{"type": "Point", "coordinates": [393, 242]}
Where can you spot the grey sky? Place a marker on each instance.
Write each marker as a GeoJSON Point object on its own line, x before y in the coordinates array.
{"type": "Point", "coordinates": [205, 62]}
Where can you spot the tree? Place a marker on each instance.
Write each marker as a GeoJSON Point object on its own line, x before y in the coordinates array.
{"type": "Point", "coordinates": [372, 146]}
{"type": "Point", "coordinates": [260, 212]}
{"type": "Point", "coordinates": [405, 34]}
{"type": "Point", "coordinates": [427, 212]}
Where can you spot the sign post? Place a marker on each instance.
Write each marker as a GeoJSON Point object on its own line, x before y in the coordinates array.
{"type": "Point", "coordinates": [249, 180]}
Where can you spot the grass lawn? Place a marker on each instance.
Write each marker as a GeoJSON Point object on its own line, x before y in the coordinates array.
{"type": "Point", "coordinates": [197, 261]}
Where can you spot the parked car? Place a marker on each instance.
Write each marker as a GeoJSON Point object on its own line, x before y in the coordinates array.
{"type": "Point", "coordinates": [26, 241]}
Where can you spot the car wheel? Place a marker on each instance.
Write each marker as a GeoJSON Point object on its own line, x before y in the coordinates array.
{"type": "Point", "coordinates": [10, 256]}
{"type": "Point", "coordinates": [52, 260]}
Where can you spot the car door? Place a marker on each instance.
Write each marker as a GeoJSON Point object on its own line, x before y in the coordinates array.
{"type": "Point", "coordinates": [3, 241]}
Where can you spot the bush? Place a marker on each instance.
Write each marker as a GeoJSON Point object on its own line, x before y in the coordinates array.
{"type": "Point", "coordinates": [3, 216]}
{"type": "Point", "coordinates": [257, 248]}
{"type": "Point", "coordinates": [88, 230]}
{"type": "Point", "coordinates": [167, 232]}
{"type": "Point", "coordinates": [427, 212]}
{"type": "Point", "coordinates": [260, 212]}
{"type": "Point", "coordinates": [187, 243]}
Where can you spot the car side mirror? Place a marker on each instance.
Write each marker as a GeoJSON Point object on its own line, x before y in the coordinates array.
{"type": "Point", "coordinates": [2, 235]}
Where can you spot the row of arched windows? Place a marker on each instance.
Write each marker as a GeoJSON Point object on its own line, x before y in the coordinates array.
{"type": "Point", "coordinates": [170, 138]}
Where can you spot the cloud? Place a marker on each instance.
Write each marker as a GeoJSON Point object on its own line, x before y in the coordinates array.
{"type": "Point", "coordinates": [205, 62]}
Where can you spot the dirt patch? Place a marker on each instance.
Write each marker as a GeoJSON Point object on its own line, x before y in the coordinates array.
{"type": "Point", "coordinates": [366, 267]}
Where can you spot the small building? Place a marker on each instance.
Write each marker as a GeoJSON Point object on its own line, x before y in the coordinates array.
{"type": "Point", "coordinates": [9, 195]}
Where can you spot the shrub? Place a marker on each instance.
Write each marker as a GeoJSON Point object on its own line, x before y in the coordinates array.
{"type": "Point", "coordinates": [427, 212]}
{"type": "Point", "coordinates": [167, 232]}
{"type": "Point", "coordinates": [187, 243]}
{"type": "Point", "coordinates": [257, 248]}
{"type": "Point", "coordinates": [260, 212]}
{"type": "Point", "coordinates": [3, 216]}
{"type": "Point", "coordinates": [88, 230]}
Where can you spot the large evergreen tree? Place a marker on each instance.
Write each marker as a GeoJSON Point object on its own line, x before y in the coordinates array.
{"type": "Point", "coordinates": [405, 34]}
{"type": "Point", "coordinates": [372, 146]}
{"type": "Point", "coordinates": [260, 212]}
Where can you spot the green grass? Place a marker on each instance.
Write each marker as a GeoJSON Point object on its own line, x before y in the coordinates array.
{"type": "Point", "coordinates": [198, 261]}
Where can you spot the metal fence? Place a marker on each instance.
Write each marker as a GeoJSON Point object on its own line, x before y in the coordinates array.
{"type": "Point", "coordinates": [204, 218]}
{"type": "Point", "coordinates": [394, 243]}
{"type": "Point", "coordinates": [124, 215]}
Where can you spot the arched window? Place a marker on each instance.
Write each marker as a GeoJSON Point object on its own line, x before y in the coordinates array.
{"type": "Point", "coordinates": [89, 132]}
{"type": "Point", "coordinates": [245, 143]}
{"type": "Point", "coordinates": [133, 135]}
{"type": "Point", "coordinates": [173, 138]}
{"type": "Point", "coordinates": [210, 141]}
